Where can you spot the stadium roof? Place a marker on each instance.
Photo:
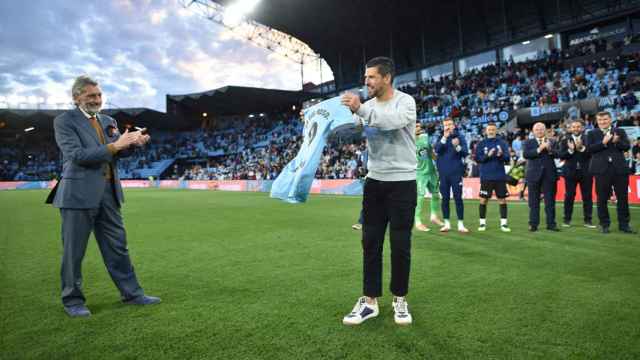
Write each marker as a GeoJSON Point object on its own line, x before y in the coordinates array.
{"type": "Point", "coordinates": [228, 100]}
{"type": "Point", "coordinates": [420, 33]}
{"type": "Point", "coordinates": [236, 100]}
{"type": "Point", "coordinates": [18, 119]}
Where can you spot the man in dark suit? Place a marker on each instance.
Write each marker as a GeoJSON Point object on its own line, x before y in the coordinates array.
{"type": "Point", "coordinates": [541, 175]}
{"type": "Point", "coordinates": [575, 171]}
{"type": "Point", "coordinates": [607, 145]}
{"type": "Point", "coordinates": [89, 196]}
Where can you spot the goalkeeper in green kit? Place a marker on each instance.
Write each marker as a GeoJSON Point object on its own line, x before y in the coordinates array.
{"type": "Point", "coordinates": [426, 177]}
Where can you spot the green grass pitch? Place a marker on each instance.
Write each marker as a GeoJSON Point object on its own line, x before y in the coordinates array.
{"type": "Point", "coordinates": [243, 276]}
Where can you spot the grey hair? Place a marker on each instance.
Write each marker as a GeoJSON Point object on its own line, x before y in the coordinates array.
{"type": "Point", "coordinates": [80, 83]}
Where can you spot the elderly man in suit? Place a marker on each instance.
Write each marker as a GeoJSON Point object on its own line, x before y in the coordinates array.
{"type": "Point", "coordinates": [89, 196]}
{"type": "Point", "coordinates": [607, 145]}
{"type": "Point", "coordinates": [541, 175]}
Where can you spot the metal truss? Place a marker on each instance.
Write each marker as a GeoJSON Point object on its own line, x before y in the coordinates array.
{"type": "Point", "coordinates": [256, 33]}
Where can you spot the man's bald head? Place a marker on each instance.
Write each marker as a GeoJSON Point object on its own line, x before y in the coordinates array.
{"type": "Point", "coordinates": [539, 130]}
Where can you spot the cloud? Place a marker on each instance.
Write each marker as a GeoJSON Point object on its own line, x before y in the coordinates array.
{"type": "Point", "coordinates": [158, 16]}
{"type": "Point", "coordinates": [138, 50]}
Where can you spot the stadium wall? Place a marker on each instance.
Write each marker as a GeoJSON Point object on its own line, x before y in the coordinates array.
{"type": "Point", "coordinates": [471, 187]}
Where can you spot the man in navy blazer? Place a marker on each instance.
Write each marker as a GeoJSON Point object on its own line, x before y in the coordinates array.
{"type": "Point", "coordinates": [89, 196]}
{"type": "Point", "coordinates": [541, 175]}
{"type": "Point", "coordinates": [607, 145]}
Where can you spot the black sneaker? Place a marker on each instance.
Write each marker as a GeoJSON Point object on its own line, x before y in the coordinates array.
{"type": "Point", "coordinates": [604, 230]}
{"type": "Point", "coordinates": [627, 230]}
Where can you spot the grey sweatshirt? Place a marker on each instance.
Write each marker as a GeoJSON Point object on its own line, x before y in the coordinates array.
{"type": "Point", "coordinates": [392, 149]}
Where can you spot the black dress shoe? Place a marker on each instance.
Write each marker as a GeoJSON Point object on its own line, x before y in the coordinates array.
{"type": "Point", "coordinates": [627, 230]}
{"type": "Point", "coordinates": [604, 230]}
{"type": "Point", "coordinates": [553, 228]}
{"type": "Point", "coordinates": [143, 300]}
{"type": "Point", "coordinates": [533, 228]}
{"type": "Point", "coordinates": [77, 311]}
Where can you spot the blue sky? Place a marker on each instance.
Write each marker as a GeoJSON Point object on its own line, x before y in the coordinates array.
{"type": "Point", "coordinates": [139, 50]}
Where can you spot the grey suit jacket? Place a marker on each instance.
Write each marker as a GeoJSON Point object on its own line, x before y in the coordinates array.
{"type": "Point", "coordinates": [84, 160]}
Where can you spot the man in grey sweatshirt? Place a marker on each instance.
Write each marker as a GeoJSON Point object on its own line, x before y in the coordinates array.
{"type": "Point", "coordinates": [389, 190]}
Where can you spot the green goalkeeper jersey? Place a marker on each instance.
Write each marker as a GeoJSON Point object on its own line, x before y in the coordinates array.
{"type": "Point", "coordinates": [424, 152]}
{"type": "Point", "coordinates": [517, 172]}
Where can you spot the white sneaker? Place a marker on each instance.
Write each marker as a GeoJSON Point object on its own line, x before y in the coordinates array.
{"type": "Point", "coordinates": [422, 227]}
{"type": "Point", "coordinates": [401, 311]}
{"type": "Point", "coordinates": [462, 229]}
{"type": "Point", "coordinates": [482, 227]}
{"type": "Point", "coordinates": [361, 312]}
{"type": "Point", "coordinates": [445, 228]}
{"type": "Point", "coordinates": [356, 226]}
{"type": "Point", "coordinates": [504, 228]}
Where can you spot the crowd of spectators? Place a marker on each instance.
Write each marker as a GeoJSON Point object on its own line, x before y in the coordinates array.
{"type": "Point", "coordinates": [258, 148]}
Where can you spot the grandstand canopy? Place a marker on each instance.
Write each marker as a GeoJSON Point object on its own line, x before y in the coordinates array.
{"type": "Point", "coordinates": [422, 33]}
{"type": "Point", "coordinates": [20, 119]}
{"type": "Point", "coordinates": [237, 100]}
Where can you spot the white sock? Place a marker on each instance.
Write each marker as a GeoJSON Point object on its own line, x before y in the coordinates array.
{"type": "Point", "coordinates": [503, 222]}
{"type": "Point", "coordinates": [460, 224]}
{"type": "Point", "coordinates": [446, 223]}
{"type": "Point", "coordinates": [483, 222]}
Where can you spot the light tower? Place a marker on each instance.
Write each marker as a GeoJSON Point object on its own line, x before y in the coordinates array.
{"type": "Point", "coordinates": [234, 18]}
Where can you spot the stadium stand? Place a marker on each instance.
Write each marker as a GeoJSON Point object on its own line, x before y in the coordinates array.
{"type": "Point", "coordinates": [258, 148]}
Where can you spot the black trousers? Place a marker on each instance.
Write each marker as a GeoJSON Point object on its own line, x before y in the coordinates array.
{"type": "Point", "coordinates": [393, 203]}
{"type": "Point", "coordinates": [620, 184]}
{"type": "Point", "coordinates": [586, 187]}
{"type": "Point", "coordinates": [548, 188]}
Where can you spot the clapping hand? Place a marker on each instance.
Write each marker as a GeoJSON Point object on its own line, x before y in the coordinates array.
{"type": "Point", "coordinates": [579, 144]}
{"type": "Point", "coordinates": [543, 146]}
{"type": "Point", "coordinates": [142, 138]}
{"type": "Point", "coordinates": [126, 139]}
